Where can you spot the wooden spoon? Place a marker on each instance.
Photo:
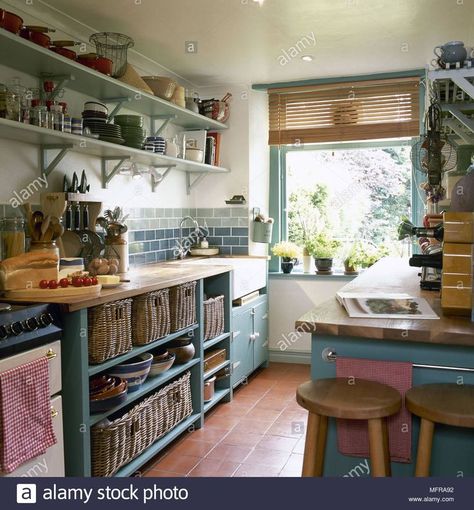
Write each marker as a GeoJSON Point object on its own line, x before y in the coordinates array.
{"type": "Point", "coordinates": [44, 227]}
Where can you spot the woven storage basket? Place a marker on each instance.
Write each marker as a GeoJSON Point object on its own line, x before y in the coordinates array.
{"type": "Point", "coordinates": [213, 317]}
{"type": "Point", "coordinates": [110, 330]}
{"type": "Point", "coordinates": [183, 306]}
{"type": "Point", "coordinates": [118, 443]}
{"type": "Point", "coordinates": [150, 317]}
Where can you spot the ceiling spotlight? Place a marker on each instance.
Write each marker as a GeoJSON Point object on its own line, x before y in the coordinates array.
{"type": "Point", "coordinates": [307, 58]}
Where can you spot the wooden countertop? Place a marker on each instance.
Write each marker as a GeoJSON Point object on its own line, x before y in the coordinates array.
{"type": "Point", "coordinates": [392, 276]}
{"type": "Point", "coordinates": [144, 279]}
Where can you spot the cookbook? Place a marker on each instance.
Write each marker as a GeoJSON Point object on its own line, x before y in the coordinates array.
{"type": "Point", "coordinates": [385, 306]}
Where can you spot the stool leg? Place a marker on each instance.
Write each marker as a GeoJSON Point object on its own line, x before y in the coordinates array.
{"type": "Point", "coordinates": [315, 445]}
{"type": "Point", "coordinates": [386, 448]}
{"type": "Point", "coordinates": [378, 446]}
{"type": "Point", "coordinates": [425, 442]}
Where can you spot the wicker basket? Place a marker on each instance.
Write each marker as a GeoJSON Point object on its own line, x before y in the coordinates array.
{"type": "Point", "coordinates": [110, 330]}
{"type": "Point", "coordinates": [119, 442]}
{"type": "Point", "coordinates": [213, 317]}
{"type": "Point", "coordinates": [150, 317]}
{"type": "Point", "coordinates": [183, 306]}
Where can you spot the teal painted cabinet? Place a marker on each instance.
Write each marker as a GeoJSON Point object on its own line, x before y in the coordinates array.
{"type": "Point", "coordinates": [250, 338]}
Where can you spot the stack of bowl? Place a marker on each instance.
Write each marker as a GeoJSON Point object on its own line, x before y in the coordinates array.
{"type": "Point", "coordinates": [106, 392]}
{"type": "Point", "coordinates": [134, 371]}
{"type": "Point", "coordinates": [155, 144]}
{"type": "Point", "coordinates": [95, 120]}
{"type": "Point", "coordinates": [131, 127]}
{"type": "Point", "coordinates": [162, 361]}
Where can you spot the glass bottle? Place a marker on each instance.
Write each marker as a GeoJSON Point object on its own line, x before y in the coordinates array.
{"type": "Point", "coordinates": [58, 117]}
{"type": "Point", "coordinates": [13, 237]}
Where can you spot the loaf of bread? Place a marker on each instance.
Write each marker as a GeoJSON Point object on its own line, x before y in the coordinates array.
{"type": "Point", "coordinates": [27, 270]}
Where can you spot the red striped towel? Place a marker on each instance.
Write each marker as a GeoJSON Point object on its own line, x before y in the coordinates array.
{"type": "Point", "coordinates": [352, 435]}
{"type": "Point", "coordinates": [25, 414]}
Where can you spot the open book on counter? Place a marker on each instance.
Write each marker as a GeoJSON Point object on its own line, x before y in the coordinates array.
{"type": "Point", "coordinates": [385, 306]}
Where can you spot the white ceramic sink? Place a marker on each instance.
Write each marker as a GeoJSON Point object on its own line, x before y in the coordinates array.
{"type": "Point", "coordinates": [249, 274]}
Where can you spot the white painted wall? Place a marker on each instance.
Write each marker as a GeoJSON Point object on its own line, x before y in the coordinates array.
{"type": "Point", "coordinates": [289, 299]}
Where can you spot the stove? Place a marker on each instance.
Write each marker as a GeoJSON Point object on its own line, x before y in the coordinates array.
{"type": "Point", "coordinates": [27, 326]}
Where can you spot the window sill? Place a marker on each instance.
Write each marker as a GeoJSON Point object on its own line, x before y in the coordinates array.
{"type": "Point", "coordinates": [313, 276]}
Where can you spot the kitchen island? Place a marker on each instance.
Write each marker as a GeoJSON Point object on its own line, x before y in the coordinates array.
{"type": "Point", "coordinates": [441, 350]}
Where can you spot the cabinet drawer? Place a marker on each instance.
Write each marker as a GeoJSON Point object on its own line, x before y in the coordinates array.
{"type": "Point", "coordinates": [52, 350]}
{"type": "Point", "coordinates": [51, 463]}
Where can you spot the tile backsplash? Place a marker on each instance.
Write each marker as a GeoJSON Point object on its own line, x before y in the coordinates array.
{"type": "Point", "coordinates": [154, 233]}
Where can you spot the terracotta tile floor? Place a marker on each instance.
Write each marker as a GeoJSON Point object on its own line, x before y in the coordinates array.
{"type": "Point", "coordinates": [260, 433]}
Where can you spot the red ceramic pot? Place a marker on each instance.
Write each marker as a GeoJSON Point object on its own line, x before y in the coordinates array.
{"type": "Point", "coordinates": [39, 38]}
{"type": "Point", "coordinates": [101, 64]}
{"type": "Point", "coordinates": [10, 21]}
{"type": "Point", "coordinates": [65, 52]}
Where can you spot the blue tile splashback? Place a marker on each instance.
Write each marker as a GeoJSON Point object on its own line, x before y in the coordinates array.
{"type": "Point", "coordinates": [154, 233]}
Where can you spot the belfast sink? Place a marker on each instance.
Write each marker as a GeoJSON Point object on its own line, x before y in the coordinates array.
{"type": "Point", "coordinates": [249, 274]}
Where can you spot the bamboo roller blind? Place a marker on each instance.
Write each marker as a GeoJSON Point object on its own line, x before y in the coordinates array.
{"type": "Point", "coordinates": [338, 112]}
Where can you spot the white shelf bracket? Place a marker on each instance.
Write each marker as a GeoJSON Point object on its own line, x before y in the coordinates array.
{"type": "Point", "coordinates": [190, 184]}
{"type": "Point", "coordinates": [166, 118]}
{"type": "Point", "coordinates": [47, 168]}
{"type": "Point", "coordinates": [120, 101]}
{"type": "Point", "coordinates": [60, 81]}
{"type": "Point", "coordinates": [108, 176]}
{"type": "Point", "coordinates": [156, 182]}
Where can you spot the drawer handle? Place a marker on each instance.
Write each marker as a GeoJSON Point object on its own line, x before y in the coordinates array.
{"type": "Point", "coordinates": [253, 337]}
{"type": "Point", "coordinates": [235, 334]}
{"type": "Point", "coordinates": [51, 354]}
{"type": "Point", "coordinates": [54, 413]}
{"type": "Point", "coordinates": [265, 344]}
{"type": "Point", "coordinates": [265, 317]}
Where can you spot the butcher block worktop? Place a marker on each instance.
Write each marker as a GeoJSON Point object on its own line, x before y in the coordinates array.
{"type": "Point", "coordinates": [143, 279]}
{"type": "Point", "coordinates": [388, 276]}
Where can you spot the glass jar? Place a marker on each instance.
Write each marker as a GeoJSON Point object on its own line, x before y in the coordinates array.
{"type": "Point", "coordinates": [50, 246]}
{"type": "Point", "coordinates": [39, 115]}
{"type": "Point", "coordinates": [58, 117]}
{"type": "Point", "coordinates": [13, 237]}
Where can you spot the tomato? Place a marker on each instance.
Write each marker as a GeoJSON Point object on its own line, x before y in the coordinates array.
{"type": "Point", "coordinates": [53, 284]}
{"type": "Point", "coordinates": [77, 281]}
{"type": "Point", "coordinates": [87, 281]}
{"type": "Point", "coordinates": [44, 284]}
{"type": "Point", "coordinates": [94, 281]}
{"type": "Point", "coordinates": [64, 282]}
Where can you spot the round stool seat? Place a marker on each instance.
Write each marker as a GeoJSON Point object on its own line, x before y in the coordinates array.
{"type": "Point", "coordinates": [354, 399]}
{"type": "Point", "coordinates": [448, 404]}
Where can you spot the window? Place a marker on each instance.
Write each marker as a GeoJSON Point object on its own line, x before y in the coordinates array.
{"type": "Point", "coordinates": [352, 194]}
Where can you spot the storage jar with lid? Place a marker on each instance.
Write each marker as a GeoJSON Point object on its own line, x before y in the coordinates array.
{"type": "Point", "coordinates": [45, 246]}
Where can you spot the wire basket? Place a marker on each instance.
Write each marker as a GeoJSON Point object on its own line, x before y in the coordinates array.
{"type": "Point", "coordinates": [114, 46]}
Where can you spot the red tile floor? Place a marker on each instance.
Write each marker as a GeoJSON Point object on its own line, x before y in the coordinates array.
{"type": "Point", "coordinates": [260, 433]}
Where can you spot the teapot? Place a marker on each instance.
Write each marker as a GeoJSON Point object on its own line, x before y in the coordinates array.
{"type": "Point", "coordinates": [451, 52]}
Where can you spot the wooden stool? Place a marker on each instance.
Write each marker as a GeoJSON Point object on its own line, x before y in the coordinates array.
{"type": "Point", "coordinates": [353, 399]}
{"type": "Point", "coordinates": [448, 404]}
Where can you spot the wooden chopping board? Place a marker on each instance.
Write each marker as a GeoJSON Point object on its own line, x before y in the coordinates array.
{"type": "Point", "coordinates": [92, 291]}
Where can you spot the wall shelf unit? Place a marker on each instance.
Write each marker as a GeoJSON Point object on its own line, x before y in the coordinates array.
{"type": "Point", "coordinates": [30, 58]}
{"type": "Point", "coordinates": [25, 56]}
{"type": "Point", "coordinates": [459, 110]}
{"type": "Point", "coordinates": [54, 145]}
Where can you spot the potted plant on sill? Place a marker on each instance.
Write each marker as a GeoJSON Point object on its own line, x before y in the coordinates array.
{"type": "Point", "coordinates": [356, 258]}
{"type": "Point", "coordinates": [323, 247]}
{"type": "Point", "coordinates": [289, 253]}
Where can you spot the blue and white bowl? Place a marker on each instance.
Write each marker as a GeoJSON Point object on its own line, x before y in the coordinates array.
{"type": "Point", "coordinates": [135, 371]}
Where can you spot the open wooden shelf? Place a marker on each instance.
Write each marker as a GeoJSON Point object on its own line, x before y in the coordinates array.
{"type": "Point", "coordinates": [218, 396]}
{"type": "Point", "coordinates": [216, 340]}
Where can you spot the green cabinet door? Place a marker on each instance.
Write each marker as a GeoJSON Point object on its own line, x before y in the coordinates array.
{"type": "Point", "coordinates": [260, 332]}
{"type": "Point", "coordinates": [242, 348]}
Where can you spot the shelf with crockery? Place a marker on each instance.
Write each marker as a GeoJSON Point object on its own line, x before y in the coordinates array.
{"type": "Point", "coordinates": [30, 58]}
{"type": "Point", "coordinates": [17, 131]}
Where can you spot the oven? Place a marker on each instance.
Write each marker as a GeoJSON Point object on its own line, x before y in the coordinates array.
{"type": "Point", "coordinates": [28, 333]}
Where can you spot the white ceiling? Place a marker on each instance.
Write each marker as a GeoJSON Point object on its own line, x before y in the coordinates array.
{"type": "Point", "coordinates": [241, 42]}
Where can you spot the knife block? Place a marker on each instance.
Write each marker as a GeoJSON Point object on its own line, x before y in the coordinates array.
{"type": "Point", "coordinates": [458, 262]}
